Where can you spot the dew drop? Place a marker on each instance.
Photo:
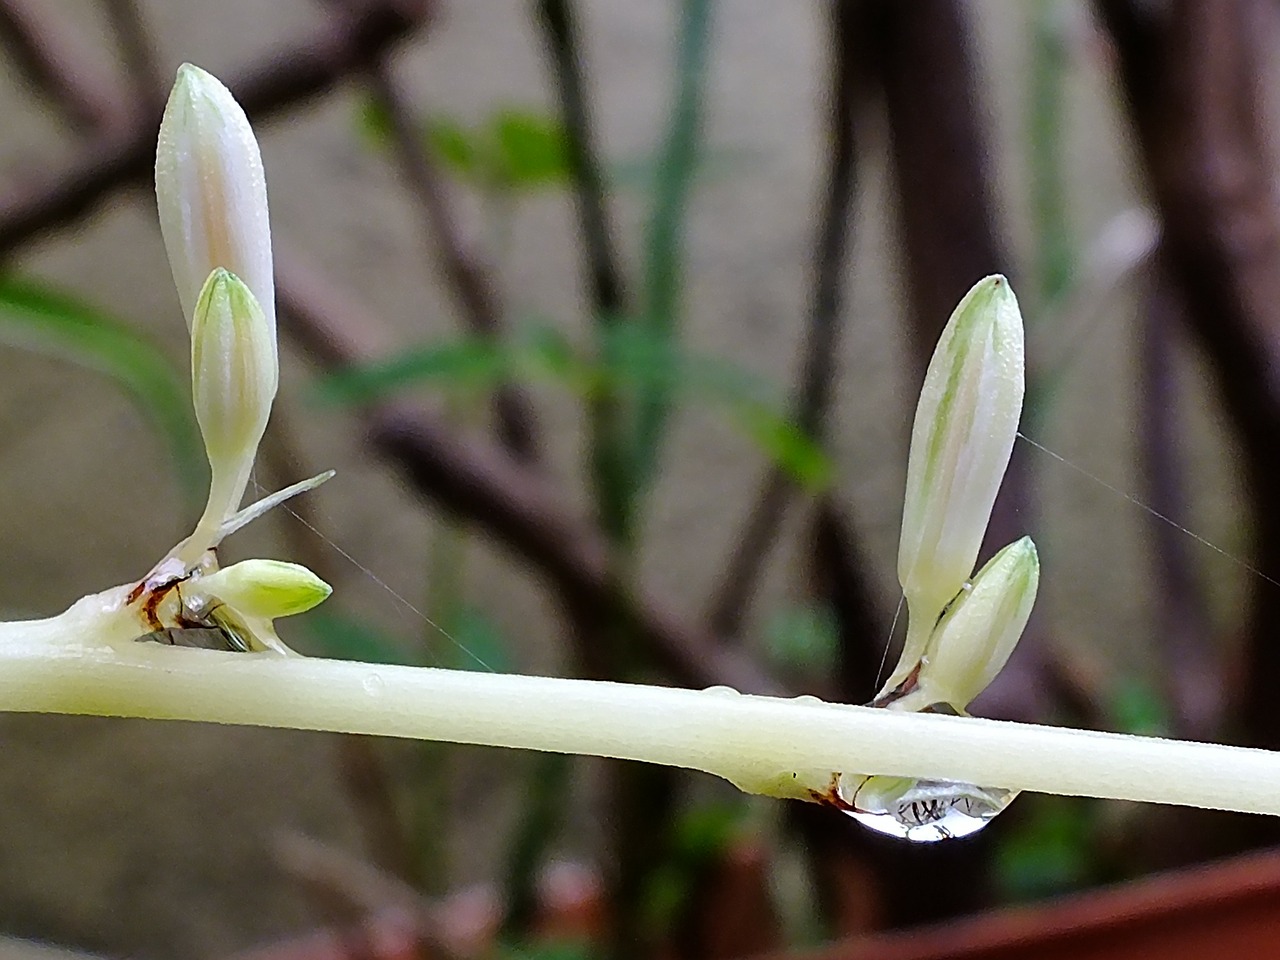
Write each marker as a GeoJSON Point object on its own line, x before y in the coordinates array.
{"type": "Point", "coordinates": [924, 811]}
{"type": "Point", "coordinates": [722, 691]}
{"type": "Point", "coordinates": [373, 684]}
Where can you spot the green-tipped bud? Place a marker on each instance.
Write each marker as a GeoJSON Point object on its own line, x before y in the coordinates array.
{"type": "Point", "coordinates": [264, 589]}
{"type": "Point", "coordinates": [234, 375]}
{"type": "Point", "coordinates": [965, 425]}
{"type": "Point", "coordinates": [211, 192]}
{"type": "Point", "coordinates": [978, 633]}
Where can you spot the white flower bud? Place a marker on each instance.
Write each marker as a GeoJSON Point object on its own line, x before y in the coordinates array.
{"type": "Point", "coordinates": [234, 375]}
{"type": "Point", "coordinates": [212, 193]}
{"type": "Point", "coordinates": [965, 425]}
{"type": "Point", "coordinates": [264, 589]}
{"type": "Point", "coordinates": [974, 639]}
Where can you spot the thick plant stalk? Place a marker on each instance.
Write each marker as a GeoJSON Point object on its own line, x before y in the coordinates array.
{"type": "Point", "coordinates": [766, 745]}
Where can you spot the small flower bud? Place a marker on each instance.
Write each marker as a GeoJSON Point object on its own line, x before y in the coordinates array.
{"type": "Point", "coordinates": [264, 589]}
{"type": "Point", "coordinates": [212, 193]}
{"type": "Point", "coordinates": [234, 375]}
{"type": "Point", "coordinates": [963, 434]}
{"type": "Point", "coordinates": [981, 628]}
{"type": "Point", "coordinates": [233, 368]}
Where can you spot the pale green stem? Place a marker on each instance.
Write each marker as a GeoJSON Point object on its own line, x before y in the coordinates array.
{"type": "Point", "coordinates": [226, 490]}
{"type": "Point", "coordinates": [785, 748]}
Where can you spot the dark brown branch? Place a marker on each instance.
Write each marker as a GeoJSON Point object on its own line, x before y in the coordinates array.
{"type": "Point", "coordinates": [59, 66]}
{"type": "Point", "coordinates": [486, 487]}
{"type": "Point", "coordinates": [839, 578]}
{"type": "Point", "coordinates": [460, 267]}
{"type": "Point", "coordinates": [1189, 74]}
{"type": "Point", "coordinates": [138, 54]}
{"type": "Point", "coordinates": [939, 157]}
{"type": "Point", "coordinates": [560, 28]}
{"type": "Point", "coordinates": [1194, 675]}
{"type": "Point", "coordinates": [817, 369]}
{"type": "Point", "coordinates": [293, 74]}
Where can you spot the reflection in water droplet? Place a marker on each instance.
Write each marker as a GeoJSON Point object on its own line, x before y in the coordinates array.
{"type": "Point", "coordinates": [722, 691]}
{"type": "Point", "coordinates": [924, 811]}
{"type": "Point", "coordinates": [373, 684]}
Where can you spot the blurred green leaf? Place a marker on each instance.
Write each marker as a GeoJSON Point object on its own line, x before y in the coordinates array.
{"type": "Point", "coordinates": [632, 359]}
{"type": "Point", "coordinates": [701, 837]}
{"type": "Point", "coordinates": [803, 637]}
{"type": "Point", "coordinates": [478, 642]}
{"type": "Point", "coordinates": [514, 149]}
{"type": "Point", "coordinates": [787, 446]}
{"type": "Point", "coordinates": [342, 637]}
{"type": "Point", "coordinates": [531, 150]}
{"type": "Point", "coordinates": [1049, 851]}
{"type": "Point", "coordinates": [455, 147]}
{"type": "Point", "coordinates": [705, 832]}
{"type": "Point", "coordinates": [373, 123]}
{"type": "Point", "coordinates": [38, 317]}
{"type": "Point", "coordinates": [470, 363]}
{"type": "Point", "coordinates": [560, 949]}
{"type": "Point", "coordinates": [1137, 706]}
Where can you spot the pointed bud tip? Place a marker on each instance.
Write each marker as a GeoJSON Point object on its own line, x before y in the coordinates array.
{"type": "Point", "coordinates": [990, 298]}
{"type": "Point", "coordinates": [981, 628]}
{"type": "Point", "coordinates": [227, 295]}
{"type": "Point", "coordinates": [191, 80]}
{"type": "Point", "coordinates": [267, 588]}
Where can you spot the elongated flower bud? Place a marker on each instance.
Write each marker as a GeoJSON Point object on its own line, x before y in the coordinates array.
{"type": "Point", "coordinates": [965, 425]}
{"type": "Point", "coordinates": [978, 633]}
{"type": "Point", "coordinates": [260, 589]}
{"type": "Point", "coordinates": [234, 376]}
{"type": "Point", "coordinates": [212, 193]}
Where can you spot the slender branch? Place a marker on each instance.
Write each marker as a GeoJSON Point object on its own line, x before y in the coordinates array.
{"type": "Point", "coordinates": [559, 22]}
{"type": "Point", "coordinates": [59, 66]}
{"type": "Point", "coordinates": [609, 443]}
{"type": "Point", "coordinates": [1194, 671]}
{"type": "Point", "coordinates": [839, 577]}
{"type": "Point", "coordinates": [664, 235]}
{"type": "Point", "coordinates": [939, 157]}
{"type": "Point", "coordinates": [486, 487]}
{"type": "Point", "coordinates": [138, 53]}
{"type": "Point", "coordinates": [817, 369]}
{"type": "Point", "coordinates": [459, 266]}
{"type": "Point", "coordinates": [292, 74]}
{"type": "Point", "coordinates": [782, 748]}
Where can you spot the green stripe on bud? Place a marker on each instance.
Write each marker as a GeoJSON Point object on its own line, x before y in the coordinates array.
{"type": "Point", "coordinates": [963, 434]}
{"type": "Point", "coordinates": [264, 589]}
{"type": "Point", "coordinates": [979, 631]}
{"type": "Point", "coordinates": [234, 375]}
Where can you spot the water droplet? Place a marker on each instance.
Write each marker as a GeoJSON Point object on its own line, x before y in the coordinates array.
{"type": "Point", "coordinates": [722, 691]}
{"type": "Point", "coordinates": [924, 811]}
{"type": "Point", "coordinates": [807, 698]}
{"type": "Point", "coordinates": [373, 684]}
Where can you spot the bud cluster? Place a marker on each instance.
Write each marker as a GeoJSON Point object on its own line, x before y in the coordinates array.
{"type": "Point", "coordinates": [212, 201]}
{"type": "Point", "coordinates": [960, 631]}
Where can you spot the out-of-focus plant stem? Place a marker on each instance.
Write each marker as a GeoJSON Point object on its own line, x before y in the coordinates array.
{"type": "Point", "coordinates": [1055, 250]}
{"type": "Point", "coordinates": [664, 238]}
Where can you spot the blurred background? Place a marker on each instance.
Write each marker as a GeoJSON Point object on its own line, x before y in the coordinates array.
{"type": "Point", "coordinates": [611, 317]}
